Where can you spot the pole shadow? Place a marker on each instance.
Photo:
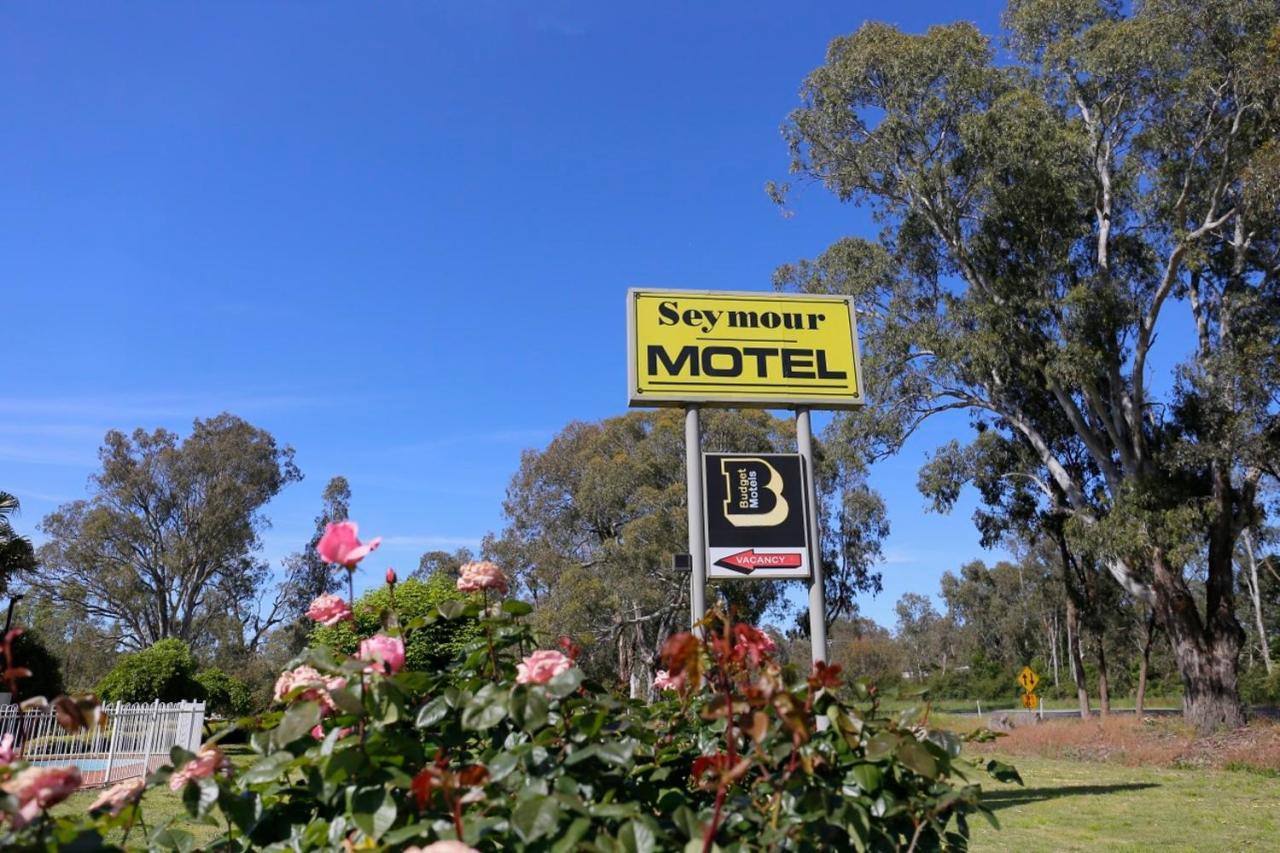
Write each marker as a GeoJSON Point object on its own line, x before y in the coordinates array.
{"type": "Point", "coordinates": [996, 800]}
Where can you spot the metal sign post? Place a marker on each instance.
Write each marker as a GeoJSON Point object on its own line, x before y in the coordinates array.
{"type": "Point", "coordinates": [697, 541]}
{"type": "Point", "coordinates": [817, 596]}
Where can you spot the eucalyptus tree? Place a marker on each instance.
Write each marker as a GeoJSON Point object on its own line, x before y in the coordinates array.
{"type": "Point", "coordinates": [1049, 216]}
{"type": "Point", "coordinates": [167, 544]}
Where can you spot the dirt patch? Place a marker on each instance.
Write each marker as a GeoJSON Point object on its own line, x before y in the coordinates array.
{"type": "Point", "coordinates": [1146, 743]}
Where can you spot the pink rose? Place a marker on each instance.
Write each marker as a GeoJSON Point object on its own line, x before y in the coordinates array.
{"type": "Point", "coordinates": [385, 654]}
{"type": "Point", "coordinates": [115, 799]}
{"type": "Point", "coordinates": [665, 681]}
{"type": "Point", "coordinates": [391, 577]}
{"type": "Point", "coordinates": [442, 847]}
{"type": "Point", "coordinates": [482, 575]}
{"type": "Point", "coordinates": [314, 687]}
{"type": "Point", "coordinates": [340, 545]}
{"type": "Point", "coordinates": [207, 762]}
{"type": "Point", "coordinates": [541, 666]}
{"type": "Point", "coordinates": [38, 788]}
{"type": "Point", "coordinates": [6, 749]}
{"type": "Point", "coordinates": [328, 610]}
{"type": "Point", "coordinates": [317, 732]}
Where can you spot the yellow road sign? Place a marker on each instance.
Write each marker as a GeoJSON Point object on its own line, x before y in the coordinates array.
{"type": "Point", "coordinates": [1029, 700]}
{"type": "Point", "coordinates": [1028, 679]}
{"type": "Point", "coordinates": [742, 349]}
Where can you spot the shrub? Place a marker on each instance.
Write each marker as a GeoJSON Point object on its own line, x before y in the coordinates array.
{"type": "Point", "coordinates": [164, 671]}
{"type": "Point", "coordinates": [429, 648]}
{"type": "Point", "coordinates": [225, 695]}
{"type": "Point", "coordinates": [46, 674]}
{"type": "Point", "coordinates": [510, 747]}
{"type": "Point", "coordinates": [1258, 688]}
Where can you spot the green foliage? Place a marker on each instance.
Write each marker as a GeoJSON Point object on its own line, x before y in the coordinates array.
{"type": "Point", "coordinates": [224, 695]}
{"type": "Point", "coordinates": [739, 758]}
{"type": "Point", "coordinates": [16, 554]}
{"type": "Point", "coordinates": [1046, 214]}
{"type": "Point", "coordinates": [1258, 688]}
{"type": "Point", "coordinates": [164, 671]}
{"type": "Point", "coordinates": [432, 647]}
{"type": "Point", "coordinates": [46, 674]}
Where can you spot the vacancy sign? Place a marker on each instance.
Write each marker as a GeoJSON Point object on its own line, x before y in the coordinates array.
{"type": "Point", "coordinates": [742, 349]}
{"type": "Point", "coordinates": [756, 522]}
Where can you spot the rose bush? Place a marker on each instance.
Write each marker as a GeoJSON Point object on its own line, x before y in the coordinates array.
{"type": "Point", "coordinates": [511, 748]}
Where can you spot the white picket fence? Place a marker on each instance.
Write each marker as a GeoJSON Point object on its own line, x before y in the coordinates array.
{"type": "Point", "coordinates": [135, 740]}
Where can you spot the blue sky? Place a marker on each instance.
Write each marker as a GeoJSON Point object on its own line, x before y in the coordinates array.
{"type": "Point", "coordinates": [397, 235]}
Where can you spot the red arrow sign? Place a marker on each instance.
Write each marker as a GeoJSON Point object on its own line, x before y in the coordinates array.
{"type": "Point", "coordinates": [746, 561]}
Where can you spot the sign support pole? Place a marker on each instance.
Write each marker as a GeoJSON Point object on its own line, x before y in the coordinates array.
{"type": "Point", "coordinates": [697, 527]}
{"type": "Point", "coordinates": [817, 594]}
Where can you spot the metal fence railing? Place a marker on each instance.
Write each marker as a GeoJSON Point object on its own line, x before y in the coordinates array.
{"type": "Point", "coordinates": [134, 740]}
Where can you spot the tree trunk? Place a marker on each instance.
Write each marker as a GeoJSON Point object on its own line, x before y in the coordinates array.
{"type": "Point", "coordinates": [1073, 654]}
{"type": "Point", "coordinates": [1053, 647]}
{"type": "Point", "coordinates": [1256, 595]}
{"type": "Point", "coordinates": [1104, 694]}
{"type": "Point", "coordinates": [1206, 651]}
{"type": "Point", "coordinates": [1140, 699]}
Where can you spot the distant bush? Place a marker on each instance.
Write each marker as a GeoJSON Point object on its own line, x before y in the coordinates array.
{"type": "Point", "coordinates": [164, 672]}
{"type": "Point", "coordinates": [225, 695]}
{"type": "Point", "coordinates": [1258, 688]}
{"type": "Point", "coordinates": [46, 675]}
{"type": "Point", "coordinates": [430, 648]}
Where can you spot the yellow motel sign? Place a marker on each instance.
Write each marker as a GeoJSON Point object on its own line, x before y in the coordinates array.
{"type": "Point", "coordinates": [722, 348]}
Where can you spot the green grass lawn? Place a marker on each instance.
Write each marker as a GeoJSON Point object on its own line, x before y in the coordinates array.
{"type": "Point", "coordinates": [892, 704]}
{"type": "Point", "coordinates": [1069, 805]}
{"type": "Point", "coordinates": [1065, 805]}
{"type": "Point", "coordinates": [159, 807]}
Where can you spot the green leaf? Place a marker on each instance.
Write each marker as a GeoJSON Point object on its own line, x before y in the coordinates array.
{"type": "Point", "coordinates": [502, 765]}
{"type": "Point", "coordinates": [267, 769]}
{"type": "Point", "coordinates": [529, 707]}
{"type": "Point", "coordinates": [432, 712]}
{"type": "Point", "coordinates": [637, 837]}
{"type": "Point", "coordinates": [882, 746]}
{"type": "Point", "coordinates": [179, 756]}
{"type": "Point", "coordinates": [347, 699]}
{"type": "Point", "coordinates": [1003, 772]}
{"type": "Point", "coordinates": [373, 811]}
{"type": "Point", "coordinates": [485, 710]}
{"type": "Point", "coordinates": [172, 839]}
{"type": "Point", "coordinates": [868, 777]}
{"type": "Point", "coordinates": [617, 753]}
{"type": "Point", "coordinates": [946, 741]}
{"type": "Point", "coordinates": [452, 609]}
{"type": "Point", "coordinates": [199, 796]}
{"type": "Point", "coordinates": [299, 720]}
{"type": "Point", "coordinates": [242, 809]}
{"type": "Point", "coordinates": [568, 840]}
{"type": "Point", "coordinates": [534, 817]}
{"type": "Point", "coordinates": [565, 683]}
{"type": "Point", "coordinates": [918, 758]}
{"type": "Point", "coordinates": [517, 608]}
